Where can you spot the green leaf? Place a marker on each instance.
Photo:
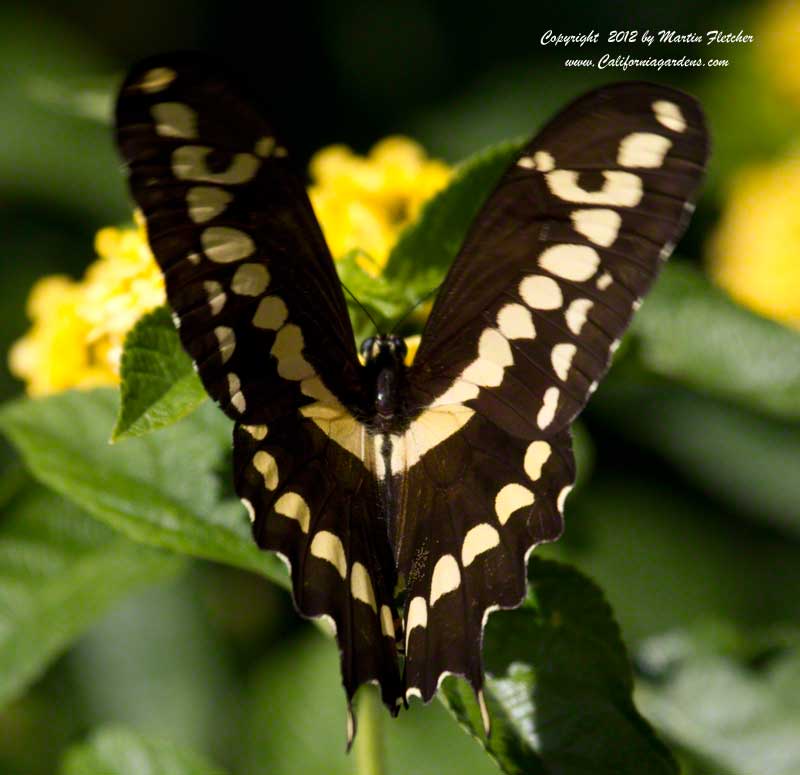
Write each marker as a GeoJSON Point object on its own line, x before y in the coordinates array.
{"type": "Point", "coordinates": [50, 154]}
{"type": "Point", "coordinates": [426, 249]}
{"type": "Point", "coordinates": [59, 572]}
{"type": "Point", "coordinates": [121, 751]}
{"type": "Point", "coordinates": [382, 298]}
{"type": "Point", "coordinates": [296, 721]}
{"type": "Point", "coordinates": [742, 718]}
{"type": "Point", "coordinates": [159, 490]}
{"type": "Point", "coordinates": [159, 384]}
{"type": "Point", "coordinates": [559, 686]}
{"type": "Point", "coordinates": [745, 460]}
{"type": "Point", "coordinates": [688, 330]}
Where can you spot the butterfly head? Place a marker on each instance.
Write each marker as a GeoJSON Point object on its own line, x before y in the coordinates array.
{"type": "Point", "coordinates": [384, 349]}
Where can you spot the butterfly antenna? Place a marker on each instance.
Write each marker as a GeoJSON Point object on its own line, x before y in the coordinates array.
{"type": "Point", "coordinates": [362, 307]}
{"type": "Point", "coordinates": [413, 307]}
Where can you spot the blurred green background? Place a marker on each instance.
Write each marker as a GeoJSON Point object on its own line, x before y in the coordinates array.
{"type": "Point", "coordinates": [689, 512]}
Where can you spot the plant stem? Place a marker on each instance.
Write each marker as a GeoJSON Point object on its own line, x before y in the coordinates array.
{"type": "Point", "coordinates": [368, 744]}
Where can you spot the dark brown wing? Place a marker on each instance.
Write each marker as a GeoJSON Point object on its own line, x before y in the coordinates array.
{"type": "Point", "coordinates": [524, 326]}
{"type": "Point", "coordinates": [261, 312]}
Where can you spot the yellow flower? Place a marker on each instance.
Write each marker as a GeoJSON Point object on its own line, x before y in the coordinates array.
{"type": "Point", "coordinates": [79, 327]}
{"type": "Point", "coordinates": [755, 253]}
{"type": "Point", "coordinates": [776, 40]}
{"type": "Point", "coordinates": [363, 203]}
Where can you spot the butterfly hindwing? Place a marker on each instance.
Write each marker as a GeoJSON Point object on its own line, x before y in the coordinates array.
{"type": "Point", "coordinates": [313, 503]}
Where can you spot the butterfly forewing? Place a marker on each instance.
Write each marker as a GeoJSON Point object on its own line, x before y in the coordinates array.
{"type": "Point", "coordinates": [248, 273]}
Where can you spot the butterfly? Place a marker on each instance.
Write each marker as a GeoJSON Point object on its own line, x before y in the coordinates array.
{"type": "Point", "coordinates": [405, 499]}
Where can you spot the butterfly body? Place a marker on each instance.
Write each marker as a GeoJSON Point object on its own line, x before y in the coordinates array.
{"type": "Point", "coordinates": [437, 478]}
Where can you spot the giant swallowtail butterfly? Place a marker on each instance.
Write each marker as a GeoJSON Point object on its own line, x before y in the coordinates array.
{"type": "Point", "coordinates": [435, 479]}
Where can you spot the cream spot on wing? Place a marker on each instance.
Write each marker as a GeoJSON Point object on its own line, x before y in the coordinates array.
{"type": "Point", "coordinates": [206, 202]}
{"type": "Point", "coordinates": [271, 313]}
{"type": "Point", "coordinates": [516, 322]}
{"type": "Point", "coordinates": [216, 296]}
{"type": "Point", "coordinates": [483, 373]}
{"type": "Point", "coordinates": [338, 425]}
{"type": "Point", "coordinates": [293, 506]}
{"type": "Point", "coordinates": [494, 355]}
{"type": "Point", "coordinates": [361, 586]}
{"type": "Point", "coordinates": [387, 622]}
{"type": "Point", "coordinates": [561, 357]}
{"type": "Point", "coordinates": [251, 512]}
{"type": "Point", "coordinates": [576, 314]}
{"type": "Point", "coordinates": [315, 388]}
{"type": "Point", "coordinates": [494, 347]}
{"type": "Point", "coordinates": [176, 321]}
{"type": "Point", "coordinates": [598, 225]}
{"type": "Point", "coordinates": [413, 691]}
{"type": "Point", "coordinates": [265, 146]}
{"type": "Point", "coordinates": [227, 342]}
{"type": "Point", "coordinates": [604, 281]}
{"type": "Point", "coordinates": [537, 454]}
{"type": "Point", "coordinates": [458, 392]}
{"type": "Point", "coordinates": [235, 390]}
{"type": "Point", "coordinates": [643, 149]}
{"type": "Point", "coordinates": [478, 540]}
{"type": "Point", "coordinates": [189, 162]}
{"type": "Point", "coordinates": [156, 80]}
{"type": "Point", "coordinates": [258, 432]}
{"type": "Point", "coordinates": [328, 546]}
{"type": "Point", "coordinates": [446, 577]}
{"type": "Point", "coordinates": [417, 616]}
{"type": "Point", "coordinates": [636, 304]}
{"type": "Point", "coordinates": [548, 410]}
{"type": "Point", "coordinates": [668, 114]}
{"type": "Point", "coordinates": [250, 280]}
{"type": "Point", "coordinates": [526, 162]}
{"type": "Point", "coordinates": [623, 189]}
{"type": "Point", "coordinates": [288, 349]}
{"type": "Point", "coordinates": [426, 432]}
{"type": "Point", "coordinates": [174, 119]}
{"type": "Point", "coordinates": [544, 161]}
{"type": "Point", "coordinates": [224, 244]}
{"type": "Point", "coordinates": [572, 262]}
{"type": "Point", "coordinates": [540, 292]}
{"type": "Point", "coordinates": [666, 251]}
{"type": "Point", "coordinates": [511, 498]}
{"type": "Point", "coordinates": [562, 496]}
{"type": "Point", "coordinates": [194, 258]}
{"type": "Point", "coordinates": [265, 464]}
{"type": "Point", "coordinates": [487, 722]}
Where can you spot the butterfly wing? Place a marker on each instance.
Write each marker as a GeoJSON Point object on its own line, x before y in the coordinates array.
{"type": "Point", "coordinates": [523, 327]}
{"type": "Point", "coordinates": [260, 310]}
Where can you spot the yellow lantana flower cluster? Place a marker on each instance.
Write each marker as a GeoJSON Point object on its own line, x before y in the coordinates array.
{"type": "Point", "coordinates": [777, 32]}
{"type": "Point", "coordinates": [79, 327]}
{"type": "Point", "coordinates": [364, 202]}
{"type": "Point", "coordinates": [755, 253]}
